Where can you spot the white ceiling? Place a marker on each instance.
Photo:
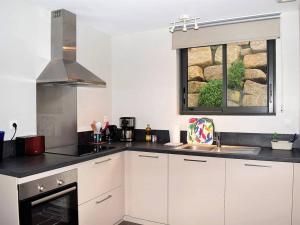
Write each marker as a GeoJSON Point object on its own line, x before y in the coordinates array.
{"type": "Point", "coordinates": [125, 16]}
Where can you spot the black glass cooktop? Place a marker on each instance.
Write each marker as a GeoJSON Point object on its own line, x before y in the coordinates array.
{"type": "Point", "coordinates": [79, 150]}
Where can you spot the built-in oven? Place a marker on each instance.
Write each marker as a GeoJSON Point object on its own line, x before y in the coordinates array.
{"type": "Point", "coordinates": [49, 201]}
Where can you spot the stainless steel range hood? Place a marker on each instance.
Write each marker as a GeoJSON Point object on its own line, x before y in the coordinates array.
{"type": "Point", "coordinates": [63, 68]}
{"type": "Point", "coordinates": [57, 85]}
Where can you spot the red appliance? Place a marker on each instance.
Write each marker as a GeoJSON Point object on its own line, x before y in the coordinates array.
{"type": "Point", "coordinates": [30, 145]}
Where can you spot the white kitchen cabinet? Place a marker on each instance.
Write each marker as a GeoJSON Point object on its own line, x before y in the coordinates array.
{"type": "Point", "coordinates": [9, 208]}
{"type": "Point", "coordinates": [296, 195]}
{"type": "Point", "coordinates": [107, 209]}
{"type": "Point", "coordinates": [196, 190]}
{"type": "Point", "coordinates": [258, 192]}
{"type": "Point", "coordinates": [146, 186]}
{"type": "Point", "coordinates": [99, 176]}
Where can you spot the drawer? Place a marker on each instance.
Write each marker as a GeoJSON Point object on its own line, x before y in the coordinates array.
{"type": "Point", "coordinates": [99, 176]}
{"type": "Point", "coordinates": [107, 209]}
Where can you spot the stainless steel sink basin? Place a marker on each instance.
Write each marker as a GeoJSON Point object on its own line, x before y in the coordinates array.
{"type": "Point", "coordinates": [240, 149]}
{"type": "Point", "coordinates": [198, 147]}
{"type": "Point", "coordinates": [225, 149]}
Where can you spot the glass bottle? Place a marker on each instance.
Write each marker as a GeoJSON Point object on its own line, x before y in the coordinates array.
{"type": "Point", "coordinates": [148, 133]}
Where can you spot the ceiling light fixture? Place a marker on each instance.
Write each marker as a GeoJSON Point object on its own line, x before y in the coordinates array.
{"type": "Point", "coordinates": [172, 28]}
{"type": "Point", "coordinates": [184, 19]}
{"type": "Point", "coordinates": [285, 1]}
{"type": "Point", "coordinates": [196, 27]}
{"type": "Point", "coordinates": [184, 28]}
{"type": "Point", "coordinates": [184, 23]}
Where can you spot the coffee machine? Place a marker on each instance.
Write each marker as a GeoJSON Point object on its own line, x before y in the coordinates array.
{"type": "Point", "coordinates": [127, 125]}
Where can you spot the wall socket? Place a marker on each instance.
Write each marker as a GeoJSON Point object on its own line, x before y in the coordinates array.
{"type": "Point", "coordinates": [11, 124]}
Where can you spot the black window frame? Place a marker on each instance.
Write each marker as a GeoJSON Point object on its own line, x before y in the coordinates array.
{"type": "Point", "coordinates": [268, 110]}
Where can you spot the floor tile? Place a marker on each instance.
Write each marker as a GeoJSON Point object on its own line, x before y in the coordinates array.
{"type": "Point", "coordinates": [128, 223]}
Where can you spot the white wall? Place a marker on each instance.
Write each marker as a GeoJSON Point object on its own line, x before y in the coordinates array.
{"type": "Point", "coordinates": [94, 52]}
{"type": "Point", "coordinates": [25, 51]}
{"type": "Point", "coordinates": [145, 83]}
{"type": "Point", "coordinates": [20, 60]}
{"type": "Point", "coordinates": [144, 75]}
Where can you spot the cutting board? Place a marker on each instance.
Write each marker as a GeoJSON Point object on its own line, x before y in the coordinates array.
{"type": "Point", "coordinates": [200, 131]}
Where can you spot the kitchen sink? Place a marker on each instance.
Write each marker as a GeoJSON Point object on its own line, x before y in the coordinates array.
{"type": "Point", "coordinates": [224, 149]}
{"type": "Point", "coordinates": [248, 150]}
{"type": "Point", "coordinates": [198, 147]}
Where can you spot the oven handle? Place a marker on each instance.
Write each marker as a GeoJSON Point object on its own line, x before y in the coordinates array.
{"type": "Point", "coordinates": [47, 198]}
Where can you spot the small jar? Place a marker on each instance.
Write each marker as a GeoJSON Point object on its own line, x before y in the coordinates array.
{"type": "Point", "coordinates": [154, 138]}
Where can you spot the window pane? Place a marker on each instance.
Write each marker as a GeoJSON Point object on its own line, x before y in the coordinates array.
{"type": "Point", "coordinates": [205, 76]}
{"type": "Point", "coordinates": [247, 74]}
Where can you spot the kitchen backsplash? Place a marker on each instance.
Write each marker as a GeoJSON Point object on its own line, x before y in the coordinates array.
{"type": "Point", "coordinates": [248, 139]}
{"type": "Point", "coordinates": [227, 138]}
{"type": "Point", "coordinates": [163, 136]}
{"type": "Point", "coordinates": [9, 149]}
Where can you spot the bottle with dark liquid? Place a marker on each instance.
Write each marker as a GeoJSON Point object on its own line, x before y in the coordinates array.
{"type": "Point", "coordinates": [148, 133]}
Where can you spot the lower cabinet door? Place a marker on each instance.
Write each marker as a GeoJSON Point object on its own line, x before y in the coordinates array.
{"type": "Point", "coordinates": [147, 186]}
{"type": "Point", "coordinates": [296, 195]}
{"type": "Point", "coordinates": [258, 192]}
{"type": "Point", "coordinates": [107, 209]}
{"type": "Point", "coordinates": [196, 190]}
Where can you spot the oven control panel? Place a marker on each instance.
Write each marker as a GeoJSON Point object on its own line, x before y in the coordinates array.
{"type": "Point", "coordinates": [46, 184]}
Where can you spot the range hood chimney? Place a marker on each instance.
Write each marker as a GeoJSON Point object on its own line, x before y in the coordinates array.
{"type": "Point", "coordinates": [63, 68]}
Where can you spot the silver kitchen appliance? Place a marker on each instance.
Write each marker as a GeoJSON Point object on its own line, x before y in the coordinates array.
{"type": "Point", "coordinates": [57, 86]}
{"type": "Point", "coordinates": [63, 68]}
{"type": "Point", "coordinates": [50, 200]}
{"type": "Point", "coordinates": [127, 125]}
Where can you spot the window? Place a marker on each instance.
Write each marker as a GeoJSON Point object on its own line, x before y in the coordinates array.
{"type": "Point", "coordinates": [228, 79]}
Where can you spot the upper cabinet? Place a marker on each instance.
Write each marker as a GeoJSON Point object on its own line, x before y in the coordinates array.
{"type": "Point", "coordinates": [258, 192]}
{"type": "Point", "coordinates": [146, 186]}
{"type": "Point", "coordinates": [196, 190]}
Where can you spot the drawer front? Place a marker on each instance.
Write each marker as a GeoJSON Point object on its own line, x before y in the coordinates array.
{"type": "Point", "coordinates": [106, 209]}
{"type": "Point", "coordinates": [99, 176]}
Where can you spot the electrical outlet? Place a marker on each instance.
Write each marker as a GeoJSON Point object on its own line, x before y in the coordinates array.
{"type": "Point", "coordinates": [11, 124]}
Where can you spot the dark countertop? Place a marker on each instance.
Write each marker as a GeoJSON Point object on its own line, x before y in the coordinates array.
{"type": "Point", "coordinates": [29, 165]}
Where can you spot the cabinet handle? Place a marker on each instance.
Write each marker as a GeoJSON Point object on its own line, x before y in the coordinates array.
{"type": "Point", "coordinates": [149, 156]}
{"type": "Point", "coordinates": [255, 165]}
{"type": "Point", "coordinates": [102, 161]}
{"type": "Point", "coordinates": [195, 160]}
{"type": "Point", "coordinates": [103, 200]}
{"type": "Point", "coordinates": [271, 92]}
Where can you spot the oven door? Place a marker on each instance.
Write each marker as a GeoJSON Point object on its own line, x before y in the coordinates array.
{"type": "Point", "coordinates": [56, 207]}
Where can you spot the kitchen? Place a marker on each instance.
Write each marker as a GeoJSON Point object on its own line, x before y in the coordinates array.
{"type": "Point", "coordinates": [141, 182]}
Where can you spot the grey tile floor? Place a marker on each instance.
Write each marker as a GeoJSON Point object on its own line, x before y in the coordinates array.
{"type": "Point", "coordinates": [128, 223]}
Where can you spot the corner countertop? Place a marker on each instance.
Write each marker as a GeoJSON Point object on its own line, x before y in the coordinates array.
{"type": "Point", "coordinates": [20, 167]}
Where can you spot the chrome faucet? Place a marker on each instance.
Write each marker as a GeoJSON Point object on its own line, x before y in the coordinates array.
{"type": "Point", "coordinates": [216, 135]}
